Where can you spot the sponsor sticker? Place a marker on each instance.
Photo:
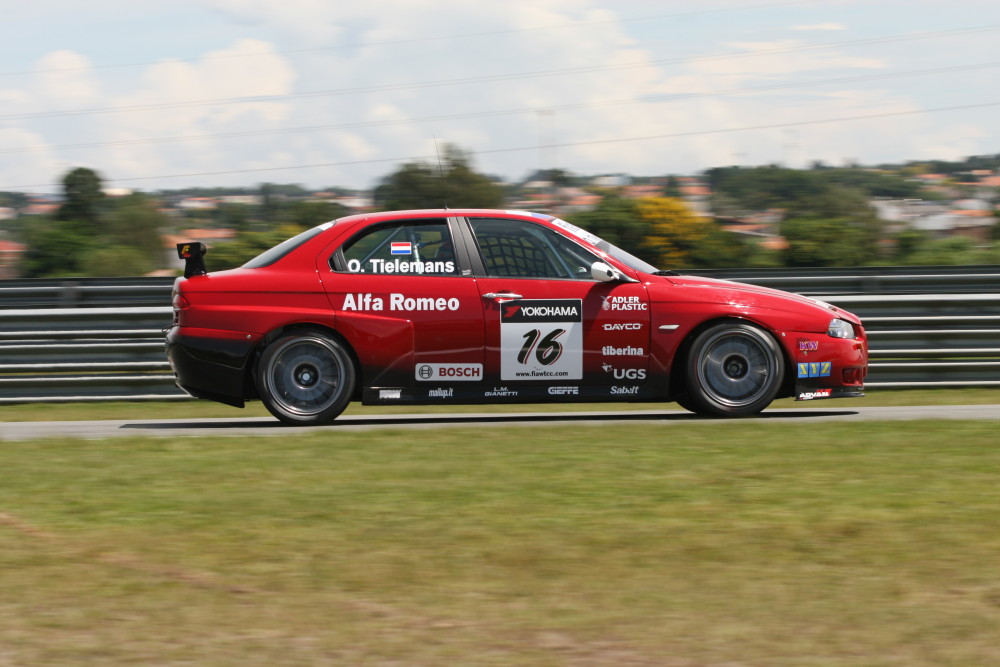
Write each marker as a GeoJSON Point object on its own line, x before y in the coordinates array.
{"type": "Point", "coordinates": [542, 310]}
{"type": "Point", "coordinates": [501, 392]}
{"type": "Point", "coordinates": [624, 391]}
{"type": "Point", "coordinates": [816, 393]}
{"type": "Point", "coordinates": [622, 326]}
{"type": "Point", "coordinates": [815, 369]}
{"type": "Point", "coordinates": [441, 393]}
{"type": "Point", "coordinates": [576, 231]}
{"type": "Point", "coordinates": [625, 373]}
{"type": "Point", "coordinates": [627, 351]}
{"type": "Point", "coordinates": [390, 394]}
{"type": "Point", "coordinates": [541, 339]}
{"type": "Point", "coordinates": [623, 303]}
{"type": "Point", "coordinates": [449, 372]}
{"type": "Point", "coordinates": [564, 391]}
{"type": "Point", "coordinates": [399, 302]}
{"type": "Point", "coordinates": [806, 345]}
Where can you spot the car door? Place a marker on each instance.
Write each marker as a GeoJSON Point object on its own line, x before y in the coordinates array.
{"type": "Point", "coordinates": [413, 317]}
{"type": "Point", "coordinates": [552, 330]}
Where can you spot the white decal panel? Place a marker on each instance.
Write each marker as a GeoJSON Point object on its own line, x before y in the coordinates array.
{"type": "Point", "coordinates": [541, 339]}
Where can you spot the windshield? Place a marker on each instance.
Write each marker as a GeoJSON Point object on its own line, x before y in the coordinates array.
{"type": "Point", "coordinates": [626, 258]}
{"type": "Point", "coordinates": [272, 255]}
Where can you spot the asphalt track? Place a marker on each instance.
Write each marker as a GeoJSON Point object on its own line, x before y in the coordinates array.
{"type": "Point", "coordinates": [172, 428]}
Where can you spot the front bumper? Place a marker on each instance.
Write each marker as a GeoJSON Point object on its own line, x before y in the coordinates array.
{"type": "Point", "coordinates": [827, 367]}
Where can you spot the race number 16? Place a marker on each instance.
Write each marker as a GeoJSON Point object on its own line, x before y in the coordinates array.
{"type": "Point", "coordinates": [549, 350]}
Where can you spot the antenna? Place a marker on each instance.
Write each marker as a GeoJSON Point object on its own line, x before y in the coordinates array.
{"type": "Point", "coordinates": [444, 180]}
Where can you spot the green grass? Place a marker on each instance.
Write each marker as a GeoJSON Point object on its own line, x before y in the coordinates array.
{"type": "Point", "coordinates": [195, 409]}
{"type": "Point", "coordinates": [759, 544]}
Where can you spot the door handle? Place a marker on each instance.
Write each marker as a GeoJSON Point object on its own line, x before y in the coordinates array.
{"type": "Point", "coordinates": [502, 295]}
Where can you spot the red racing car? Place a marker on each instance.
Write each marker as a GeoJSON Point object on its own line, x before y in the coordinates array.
{"type": "Point", "coordinates": [485, 306]}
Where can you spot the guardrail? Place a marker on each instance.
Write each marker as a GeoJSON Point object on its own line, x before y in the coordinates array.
{"type": "Point", "coordinates": [930, 340]}
{"type": "Point", "coordinates": [100, 354]}
{"type": "Point", "coordinates": [877, 280]}
{"type": "Point", "coordinates": [85, 354]}
{"type": "Point", "coordinates": [85, 292]}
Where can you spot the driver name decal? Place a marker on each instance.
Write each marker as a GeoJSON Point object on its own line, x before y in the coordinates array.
{"type": "Point", "coordinates": [385, 266]}
{"type": "Point", "coordinates": [541, 339]}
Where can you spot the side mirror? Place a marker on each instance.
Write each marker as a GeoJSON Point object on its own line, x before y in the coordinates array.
{"type": "Point", "coordinates": [603, 273]}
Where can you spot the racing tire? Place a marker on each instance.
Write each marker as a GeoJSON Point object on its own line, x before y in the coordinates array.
{"type": "Point", "coordinates": [306, 378]}
{"type": "Point", "coordinates": [686, 403]}
{"type": "Point", "coordinates": [733, 370]}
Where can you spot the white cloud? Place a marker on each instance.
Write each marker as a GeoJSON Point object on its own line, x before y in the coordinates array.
{"type": "Point", "coordinates": [66, 80]}
{"type": "Point", "coordinates": [229, 74]}
{"type": "Point", "coordinates": [388, 68]}
{"type": "Point", "coordinates": [309, 22]}
{"type": "Point", "coordinates": [820, 26]}
{"type": "Point", "coordinates": [35, 164]}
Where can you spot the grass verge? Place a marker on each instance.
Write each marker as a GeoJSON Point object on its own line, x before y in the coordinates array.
{"type": "Point", "coordinates": [776, 544]}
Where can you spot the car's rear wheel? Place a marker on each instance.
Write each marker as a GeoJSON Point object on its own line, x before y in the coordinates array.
{"type": "Point", "coordinates": [306, 378]}
{"type": "Point", "coordinates": [733, 369]}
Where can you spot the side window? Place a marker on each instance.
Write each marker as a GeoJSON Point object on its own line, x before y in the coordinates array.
{"type": "Point", "coordinates": [525, 250]}
{"type": "Point", "coordinates": [413, 248]}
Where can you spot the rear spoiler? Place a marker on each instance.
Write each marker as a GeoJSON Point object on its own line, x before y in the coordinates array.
{"type": "Point", "coordinates": [193, 254]}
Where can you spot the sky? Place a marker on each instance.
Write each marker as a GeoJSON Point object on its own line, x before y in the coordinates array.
{"type": "Point", "coordinates": [165, 95]}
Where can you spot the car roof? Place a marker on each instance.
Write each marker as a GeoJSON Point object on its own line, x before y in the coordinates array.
{"type": "Point", "coordinates": [441, 213]}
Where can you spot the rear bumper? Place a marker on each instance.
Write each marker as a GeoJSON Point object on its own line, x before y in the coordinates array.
{"type": "Point", "coordinates": [212, 364]}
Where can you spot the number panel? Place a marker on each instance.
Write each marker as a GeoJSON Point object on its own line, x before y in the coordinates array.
{"type": "Point", "coordinates": [541, 339]}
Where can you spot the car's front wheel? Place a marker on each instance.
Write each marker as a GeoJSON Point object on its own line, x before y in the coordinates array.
{"type": "Point", "coordinates": [306, 378]}
{"type": "Point", "coordinates": [733, 369]}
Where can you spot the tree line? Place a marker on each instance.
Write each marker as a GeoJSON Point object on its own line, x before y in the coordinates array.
{"type": "Point", "coordinates": [825, 220]}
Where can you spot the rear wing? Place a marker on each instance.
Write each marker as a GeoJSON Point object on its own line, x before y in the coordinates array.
{"type": "Point", "coordinates": [193, 254]}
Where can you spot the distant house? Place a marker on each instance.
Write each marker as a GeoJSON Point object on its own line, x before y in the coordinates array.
{"type": "Point", "coordinates": [971, 205]}
{"type": "Point", "coordinates": [974, 224]}
{"type": "Point", "coordinates": [931, 179]}
{"type": "Point", "coordinates": [901, 214]}
{"type": "Point", "coordinates": [10, 258]}
{"type": "Point", "coordinates": [696, 194]}
{"type": "Point", "coordinates": [642, 191]}
{"type": "Point", "coordinates": [40, 208]}
{"type": "Point", "coordinates": [611, 181]}
{"type": "Point", "coordinates": [198, 204]}
{"type": "Point", "coordinates": [575, 200]}
{"type": "Point", "coordinates": [761, 227]}
{"type": "Point", "coordinates": [962, 217]}
{"type": "Point", "coordinates": [244, 200]}
{"type": "Point", "coordinates": [355, 203]}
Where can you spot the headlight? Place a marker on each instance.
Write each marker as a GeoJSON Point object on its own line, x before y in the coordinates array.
{"type": "Point", "coordinates": [840, 329]}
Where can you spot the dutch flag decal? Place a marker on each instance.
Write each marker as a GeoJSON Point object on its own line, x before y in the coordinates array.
{"type": "Point", "coordinates": [401, 248]}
